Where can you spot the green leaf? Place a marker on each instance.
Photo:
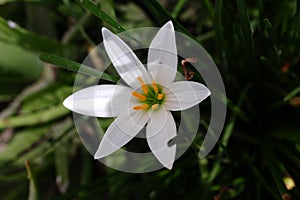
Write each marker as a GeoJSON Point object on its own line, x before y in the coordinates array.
{"type": "Point", "coordinates": [218, 28]}
{"type": "Point", "coordinates": [162, 15]}
{"type": "Point", "coordinates": [31, 119]}
{"type": "Point", "coordinates": [227, 134]}
{"type": "Point", "coordinates": [245, 27]}
{"type": "Point", "coordinates": [218, 19]}
{"type": "Point", "coordinates": [17, 146]}
{"type": "Point", "coordinates": [275, 170]}
{"type": "Point", "coordinates": [285, 152]}
{"type": "Point", "coordinates": [108, 7]}
{"type": "Point", "coordinates": [267, 27]}
{"type": "Point", "coordinates": [61, 154]}
{"type": "Point", "coordinates": [90, 6]}
{"type": "Point", "coordinates": [18, 62]}
{"type": "Point", "coordinates": [261, 180]}
{"type": "Point", "coordinates": [178, 7]}
{"type": "Point", "coordinates": [209, 7]}
{"type": "Point", "coordinates": [2, 2]}
{"type": "Point", "coordinates": [44, 99]}
{"type": "Point", "coordinates": [293, 136]}
{"type": "Point", "coordinates": [76, 67]}
{"type": "Point", "coordinates": [292, 94]}
{"type": "Point", "coordinates": [13, 33]}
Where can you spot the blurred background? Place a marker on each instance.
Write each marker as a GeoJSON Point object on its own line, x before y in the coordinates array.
{"type": "Point", "coordinates": [256, 46]}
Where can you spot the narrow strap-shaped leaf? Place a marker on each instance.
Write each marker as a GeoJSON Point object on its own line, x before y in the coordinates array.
{"type": "Point", "coordinates": [209, 7]}
{"type": "Point", "coordinates": [289, 154]}
{"type": "Point", "coordinates": [11, 32]}
{"type": "Point", "coordinates": [245, 25]}
{"type": "Point", "coordinates": [162, 15]}
{"type": "Point", "coordinates": [61, 159]}
{"type": "Point", "coordinates": [13, 57]}
{"type": "Point", "coordinates": [178, 7]}
{"type": "Point", "coordinates": [292, 94]}
{"type": "Point", "coordinates": [289, 135]}
{"type": "Point", "coordinates": [74, 66]}
{"type": "Point", "coordinates": [261, 180]}
{"type": "Point", "coordinates": [275, 171]}
{"type": "Point", "coordinates": [218, 23]}
{"type": "Point", "coordinates": [34, 119]}
{"type": "Point", "coordinates": [227, 134]}
{"type": "Point", "coordinates": [90, 6]}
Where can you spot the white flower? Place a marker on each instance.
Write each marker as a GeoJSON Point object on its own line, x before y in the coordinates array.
{"type": "Point", "coordinates": [148, 99]}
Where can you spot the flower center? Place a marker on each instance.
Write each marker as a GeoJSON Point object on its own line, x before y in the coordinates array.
{"type": "Point", "coordinates": [151, 96]}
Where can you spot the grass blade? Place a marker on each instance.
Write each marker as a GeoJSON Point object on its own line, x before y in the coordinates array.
{"type": "Point", "coordinates": [275, 171]}
{"type": "Point", "coordinates": [34, 119]}
{"type": "Point", "coordinates": [227, 134]}
{"type": "Point", "coordinates": [218, 23]}
{"type": "Point", "coordinates": [209, 8]}
{"type": "Point", "coordinates": [178, 8]}
{"type": "Point", "coordinates": [162, 15]}
{"type": "Point", "coordinates": [262, 181]}
{"type": "Point", "coordinates": [17, 61]}
{"type": "Point", "coordinates": [62, 164]}
{"type": "Point", "coordinates": [245, 26]}
{"type": "Point", "coordinates": [293, 136]}
{"type": "Point", "coordinates": [13, 33]}
{"type": "Point", "coordinates": [91, 7]}
{"type": "Point", "coordinates": [76, 67]}
{"type": "Point", "coordinates": [292, 94]}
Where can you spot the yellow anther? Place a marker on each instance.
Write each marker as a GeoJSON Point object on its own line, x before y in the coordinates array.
{"type": "Point", "coordinates": [144, 86]}
{"type": "Point", "coordinates": [140, 107]}
{"type": "Point", "coordinates": [154, 106]}
{"type": "Point", "coordinates": [139, 96]}
{"type": "Point", "coordinates": [160, 96]}
{"type": "Point", "coordinates": [155, 87]}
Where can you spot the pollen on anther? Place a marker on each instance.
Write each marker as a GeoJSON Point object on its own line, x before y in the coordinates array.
{"type": "Point", "coordinates": [144, 86]}
{"type": "Point", "coordinates": [154, 87]}
{"type": "Point", "coordinates": [160, 96]}
{"type": "Point", "coordinates": [154, 106]}
{"type": "Point", "coordinates": [139, 96]}
{"type": "Point", "coordinates": [141, 107]}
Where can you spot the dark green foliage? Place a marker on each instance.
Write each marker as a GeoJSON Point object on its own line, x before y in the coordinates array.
{"type": "Point", "coordinates": [256, 46]}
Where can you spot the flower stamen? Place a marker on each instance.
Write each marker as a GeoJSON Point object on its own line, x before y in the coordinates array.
{"type": "Point", "coordinates": [141, 107]}
{"type": "Point", "coordinates": [151, 96]}
{"type": "Point", "coordinates": [154, 106]}
{"type": "Point", "coordinates": [139, 96]}
{"type": "Point", "coordinates": [144, 86]}
{"type": "Point", "coordinates": [155, 87]}
{"type": "Point", "coordinates": [160, 96]}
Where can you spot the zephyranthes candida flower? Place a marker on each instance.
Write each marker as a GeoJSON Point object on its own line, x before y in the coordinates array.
{"type": "Point", "coordinates": [147, 99]}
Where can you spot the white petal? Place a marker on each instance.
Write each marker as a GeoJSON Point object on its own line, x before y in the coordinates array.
{"type": "Point", "coordinates": [159, 142]}
{"type": "Point", "coordinates": [100, 100]}
{"type": "Point", "coordinates": [121, 131]}
{"type": "Point", "coordinates": [157, 121]}
{"type": "Point", "coordinates": [182, 95]}
{"type": "Point", "coordinates": [162, 55]}
{"type": "Point", "coordinates": [125, 61]}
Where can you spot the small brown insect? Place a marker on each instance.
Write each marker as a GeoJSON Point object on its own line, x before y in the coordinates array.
{"type": "Point", "coordinates": [187, 74]}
